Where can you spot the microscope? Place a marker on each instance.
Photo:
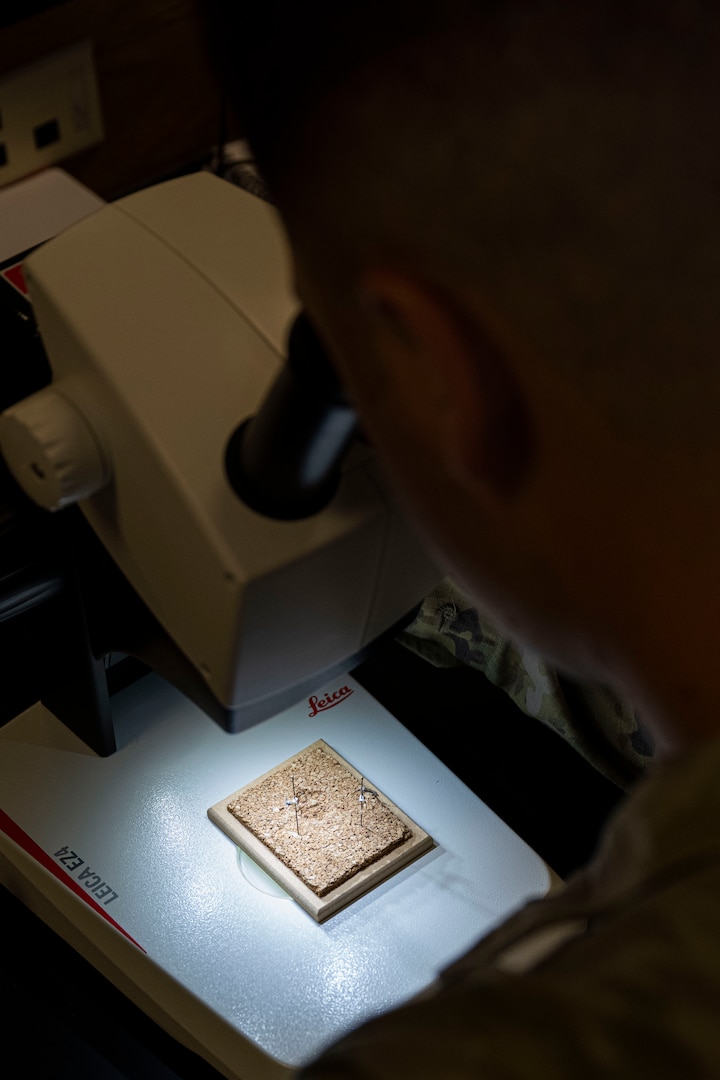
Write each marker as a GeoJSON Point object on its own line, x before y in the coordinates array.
{"type": "Point", "coordinates": [185, 490]}
{"type": "Point", "coordinates": [234, 532]}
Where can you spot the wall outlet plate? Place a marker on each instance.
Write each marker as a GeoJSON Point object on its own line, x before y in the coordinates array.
{"type": "Point", "coordinates": [49, 110]}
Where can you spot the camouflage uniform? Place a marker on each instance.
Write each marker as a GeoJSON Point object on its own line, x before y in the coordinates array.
{"type": "Point", "coordinates": [448, 631]}
{"type": "Point", "coordinates": [617, 975]}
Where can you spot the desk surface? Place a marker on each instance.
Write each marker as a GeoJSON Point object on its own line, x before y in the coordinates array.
{"type": "Point", "coordinates": [35, 209]}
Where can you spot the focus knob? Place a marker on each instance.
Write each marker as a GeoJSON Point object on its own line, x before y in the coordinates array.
{"type": "Point", "coordinates": [52, 450]}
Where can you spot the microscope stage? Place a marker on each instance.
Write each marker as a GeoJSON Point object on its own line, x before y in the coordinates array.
{"type": "Point", "coordinates": [119, 856]}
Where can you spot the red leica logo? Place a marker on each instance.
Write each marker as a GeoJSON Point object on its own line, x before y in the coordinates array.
{"type": "Point", "coordinates": [319, 704]}
{"type": "Point", "coordinates": [14, 275]}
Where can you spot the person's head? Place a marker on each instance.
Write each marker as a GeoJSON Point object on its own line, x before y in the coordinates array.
{"type": "Point", "coordinates": [505, 219]}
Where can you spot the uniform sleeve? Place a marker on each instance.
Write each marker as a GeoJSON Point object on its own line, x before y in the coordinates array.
{"type": "Point", "coordinates": [512, 1029]}
{"type": "Point", "coordinates": [448, 631]}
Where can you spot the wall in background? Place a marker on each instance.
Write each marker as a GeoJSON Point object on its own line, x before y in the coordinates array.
{"type": "Point", "coordinates": [160, 100]}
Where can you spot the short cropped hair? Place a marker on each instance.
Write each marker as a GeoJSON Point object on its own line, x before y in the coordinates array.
{"type": "Point", "coordinates": [564, 156]}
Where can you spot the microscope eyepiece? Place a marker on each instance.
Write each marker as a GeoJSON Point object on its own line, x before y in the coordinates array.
{"type": "Point", "coordinates": [285, 462]}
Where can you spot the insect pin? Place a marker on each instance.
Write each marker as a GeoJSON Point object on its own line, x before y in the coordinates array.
{"type": "Point", "coordinates": [294, 803]}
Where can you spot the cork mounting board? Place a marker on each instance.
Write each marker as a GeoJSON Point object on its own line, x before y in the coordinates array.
{"type": "Point", "coordinates": [320, 829]}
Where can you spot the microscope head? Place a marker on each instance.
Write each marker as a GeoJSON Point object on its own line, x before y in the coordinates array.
{"type": "Point", "coordinates": [166, 318]}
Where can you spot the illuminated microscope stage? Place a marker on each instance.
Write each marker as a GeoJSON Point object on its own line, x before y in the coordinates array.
{"type": "Point", "coordinates": [119, 855]}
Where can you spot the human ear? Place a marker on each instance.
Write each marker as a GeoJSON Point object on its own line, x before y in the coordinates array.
{"type": "Point", "coordinates": [455, 378]}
